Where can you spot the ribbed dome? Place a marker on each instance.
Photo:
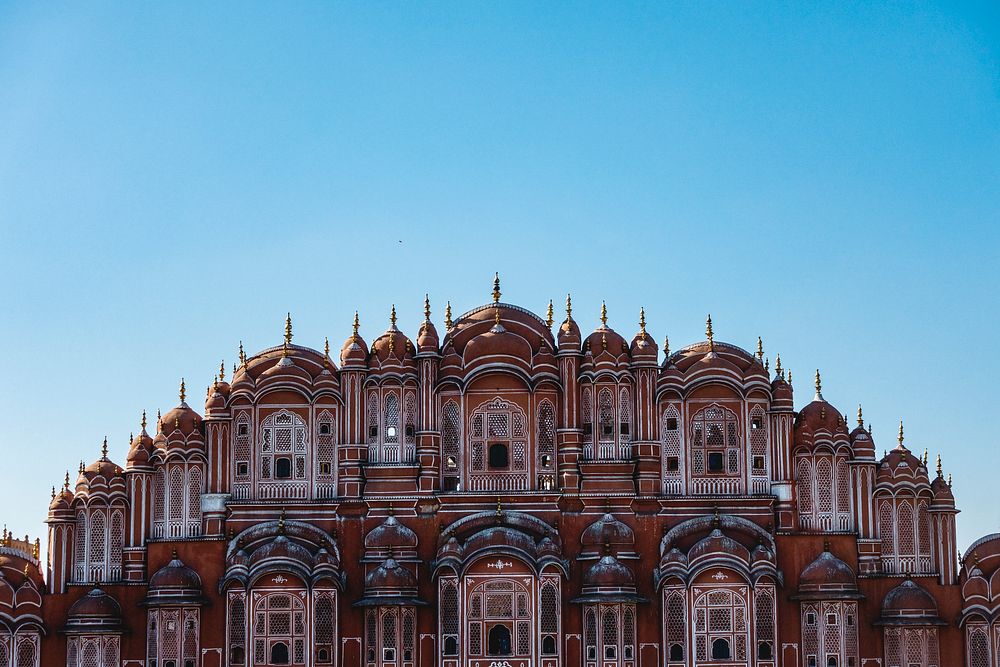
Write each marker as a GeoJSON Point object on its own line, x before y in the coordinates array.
{"type": "Point", "coordinates": [390, 575]}
{"type": "Point", "coordinates": [141, 449]}
{"type": "Point", "coordinates": [175, 575]}
{"type": "Point", "coordinates": [607, 530]}
{"type": "Point", "coordinates": [827, 572]}
{"type": "Point", "coordinates": [390, 534]}
{"type": "Point", "coordinates": [608, 572]}
{"type": "Point", "coordinates": [909, 604]}
{"type": "Point", "coordinates": [354, 353]}
{"type": "Point", "coordinates": [95, 605]}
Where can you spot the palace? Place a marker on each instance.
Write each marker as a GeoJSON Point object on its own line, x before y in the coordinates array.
{"type": "Point", "coordinates": [512, 493]}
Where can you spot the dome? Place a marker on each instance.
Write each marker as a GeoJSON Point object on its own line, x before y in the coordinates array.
{"type": "Point", "coordinates": [827, 574]}
{"type": "Point", "coordinates": [607, 531]}
{"type": "Point", "coordinates": [141, 449]}
{"type": "Point", "coordinates": [909, 604]}
{"type": "Point", "coordinates": [570, 338]}
{"type": "Point", "coordinates": [499, 343]}
{"type": "Point", "coordinates": [390, 575]}
{"type": "Point", "coordinates": [608, 572]}
{"type": "Point", "coordinates": [644, 348]}
{"type": "Point", "coordinates": [781, 392]}
{"type": "Point", "coordinates": [942, 492]}
{"type": "Point", "coordinates": [391, 534]}
{"type": "Point", "coordinates": [281, 548]}
{"type": "Point", "coordinates": [717, 543]}
{"type": "Point", "coordinates": [94, 612]}
{"type": "Point", "coordinates": [354, 352]}
{"type": "Point", "coordinates": [819, 415]}
{"type": "Point", "coordinates": [61, 501]}
{"type": "Point", "coordinates": [427, 338]}
{"type": "Point", "coordinates": [181, 420]}
{"type": "Point", "coordinates": [175, 582]}
{"type": "Point", "coordinates": [901, 465]}
{"type": "Point", "coordinates": [392, 350]}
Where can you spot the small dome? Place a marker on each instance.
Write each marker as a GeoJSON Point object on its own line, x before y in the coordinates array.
{"type": "Point", "coordinates": [498, 341]}
{"type": "Point", "coordinates": [606, 339]}
{"type": "Point", "coordinates": [781, 392]}
{"type": "Point", "coordinates": [390, 575]}
{"type": "Point", "coordinates": [182, 420]}
{"type": "Point", "coordinates": [717, 543]}
{"type": "Point", "coordinates": [427, 338]}
{"type": "Point", "coordinates": [175, 575]}
{"type": "Point", "coordinates": [281, 548]}
{"type": "Point", "coordinates": [391, 534]}
{"type": "Point", "coordinates": [827, 573]}
{"type": "Point", "coordinates": [644, 348]}
{"type": "Point", "coordinates": [62, 501]}
{"type": "Point", "coordinates": [901, 465]}
{"type": "Point", "coordinates": [569, 334]}
{"type": "Point", "coordinates": [141, 449]}
{"type": "Point", "coordinates": [942, 492]}
{"type": "Point", "coordinates": [608, 572]}
{"type": "Point", "coordinates": [95, 605]}
{"type": "Point", "coordinates": [354, 352]}
{"type": "Point", "coordinates": [607, 530]}
{"type": "Point", "coordinates": [909, 603]}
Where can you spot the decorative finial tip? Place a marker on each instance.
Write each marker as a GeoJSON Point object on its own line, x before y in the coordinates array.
{"type": "Point", "coordinates": [900, 436]}
{"type": "Point", "coordinates": [183, 391]}
{"type": "Point", "coordinates": [496, 287]}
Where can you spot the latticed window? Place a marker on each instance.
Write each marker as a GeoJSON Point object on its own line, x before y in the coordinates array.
{"type": "Point", "coordinates": [451, 445]}
{"type": "Point", "coordinates": [389, 636]}
{"type": "Point", "coordinates": [624, 423]}
{"type": "Point", "coordinates": [19, 650]}
{"type": "Point", "coordinates": [504, 629]}
{"type": "Point", "coordinates": [605, 419]}
{"type": "Point", "coordinates": [905, 534]}
{"type": "Point", "coordinates": [90, 651]}
{"type": "Point", "coordinates": [548, 622]}
{"type": "Point", "coordinates": [278, 630]}
{"type": "Point", "coordinates": [372, 417]}
{"type": "Point", "coordinates": [391, 431]}
{"type": "Point", "coordinates": [236, 632]}
{"type": "Point", "coordinates": [448, 618]}
{"type": "Point", "coordinates": [499, 443]}
{"type": "Point", "coordinates": [673, 461]}
{"type": "Point", "coordinates": [172, 637]}
{"type": "Point", "coordinates": [326, 454]}
{"type": "Point", "coordinates": [720, 624]}
{"type": "Point", "coordinates": [675, 624]}
{"type": "Point", "coordinates": [758, 449]}
{"type": "Point", "coordinates": [324, 626]}
{"type": "Point", "coordinates": [715, 442]}
{"type": "Point", "coordinates": [824, 492]}
{"type": "Point", "coordinates": [911, 646]}
{"type": "Point", "coordinates": [609, 631]}
{"type": "Point", "coordinates": [829, 632]}
{"type": "Point", "coordinates": [764, 624]}
{"type": "Point", "coordinates": [977, 645]}
{"type": "Point", "coordinates": [546, 425]}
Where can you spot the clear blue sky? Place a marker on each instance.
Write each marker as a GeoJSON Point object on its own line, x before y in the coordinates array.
{"type": "Point", "coordinates": [174, 178]}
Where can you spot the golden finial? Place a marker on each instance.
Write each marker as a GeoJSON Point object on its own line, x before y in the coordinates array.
{"type": "Point", "coordinates": [604, 315]}
{"type": "Point", "coordinates": [427, 308]}
{"type": "Point", "coordinates": [604, 341]}
{"type": "Point", "coordinates": [760, 349]}
{"type": "Point", "coordinates": [777, 365]}
{"type": "Point", "coordinates": [708, 332]}
{"type": "Point", "coordinates": [642, 322]}
{"type": "Point", "coordinates": [767, 365]}
{"type": "Point", "coordinates": [159, 419]}
{"type": "Point", "coordinates": [66, 481]}
{"type": "Point", "coordinates": [447, 315]}
{"type": "Point", "coordinates": [940, 472]}
{"type": "Point", "coordinates": [284, 349]}
{"type": "Point", "coordinates": [222, 371]}
{"type": "Point", "coordinates": [569, 307]}
{"type": "Point", "coordinates": [392, 316]}
{"type": "Point", "coordinates": [899, 438]}
{"type": "Point", "coordinates": [392, 343]}
{"type": "Point", "coordinates": [550, 315]}
{"type": "Point", "coordinates": [789, 376]}
{"type": "Point", "coordinates": [357, 324]}
{"type": "Point", "coordinates": [243, 356]}
{"type": "Point", "coordinates": [288, 328]}
{"type": "Point", "coordinates": [819, 383]}
{"type": "Point", "coordinates": [496, 287]}
{"type": "Point", "coordinates": [38, 549]}
{"type": "Point", "coordinates": [81, 467]}
{"type": "Point", "coordinates": [143, 422]}
{"type": "Point", "coordinates": [183, 392]}
{"type": "Point", "coordinates": [496, 316]}
{"type": "Point", "coordinates": [861, 421]}
{"type": "Point", "coordinates": [53, 493]}
{"type": "Point", "coordinates": [666, 347]}
{"type": "Point", "coordinates": [949, 480]}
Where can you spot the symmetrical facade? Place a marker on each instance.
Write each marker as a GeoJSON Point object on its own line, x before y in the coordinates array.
{"type": "Point", "coordinates": [512, 494]}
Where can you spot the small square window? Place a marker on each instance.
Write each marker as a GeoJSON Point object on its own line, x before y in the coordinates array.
{"type": "Point", "coordinates": [373, 431]}
{"type": "Point", "coordinates": [390, 432]}
{"type": "Point", "coordinates": [546, 461]}
{"type": "Point", "coordinates": [409, 430]}
{"type": "Point", "coordinates": [673, 464]}
{"type": "Point", "coordinates": [588, 428]}
{"type": "Point", "coordinates": [850, 620]}
{"type": "Point", "coordinates": [810, 619]}
{"type": "Point", "coordinates": [624, 428]}
{"type": "Point", "coordinates": [671, 423]}
{"type": "Point", "coordinates": [243, 429]}
{"type": "Point", "coordinates": [242, 468]}
{"type": "Point", "coordinates": [324, 468]}
{"type": "Point", "coordinates": [607, 429]}
{"type": "Point", "coordinates": [324, 428]}
{"type": "Point", "coordinates": [758, 463]}
{"type": "Point", "coordinates": [756, 423]}
{"type": "Point", "coordinates": [831, 619]}
{"type": "Point", "coordinates": [715, 462]}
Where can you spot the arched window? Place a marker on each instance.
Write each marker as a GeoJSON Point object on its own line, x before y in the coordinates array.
{"type": "Point", "coordinates": [372, 419]}
{"type": "Point", "coordinates": [172, 637]}
{"type": "Point", "coordinates": [624, 424]}
{"type": "Point", "coordinates": [499, 641]}
{"type": "Point", "coordinates": [606, 424]}
{"type": "Point", "coordinates": [448, 618]}
{"type": "Point", "coordinates": [98, 538]}
{"type": "Point", "coordinates": [326, 454]}
{"type": "Point", "coordinates": [496, 426]}
{"type": "Point", "coordinates": [675, 615]}
{"type": "Point", "coordinates": [548, 624]}
{"type": "Point", "coordinates": [89, 651]}
{"type": "Point", "coordinates": [714, 430]}
{"type": "Point", "coordinates": [283, 448]}
{"type": "Point", "coordinates": [546, 436]}
{"type": "Point", "coordinates": [977, 645]}
{"type": "Point", "coordinates": [391, 420]}
{"type": "Point", "coordinates": [673, 460]}
{"type": "Point", "coordinates": [721, 618]}
{"type": "Point", "coordinates": [720, 649]}
{"type": "Point", "coordinates": [804, 488]}
{"type": "Point", "coordinates": [236, 628]}
{"type": "Point", "coordinates": [451, 446]}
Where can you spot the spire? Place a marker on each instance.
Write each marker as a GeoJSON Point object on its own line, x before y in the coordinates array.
{"type": "Point", "coordinates": [66, 481]}
{"type": "Point", "coordinates": [666, 347]}
{"type": "Point", "coordinates": [940, 472]}
{"type": "Point", "coordinates": [104, 449]}
{"type": "Point", "coordinates": [183, 391]}
{"type": "Point", "coordinates": [288, 329]}
{"type": "Point", "coordinates": [392, 317]}
{"type": "Point", "coordinates": [708, 333]}
{"type": "Point", "coordinates": [357, 324]}
{"type": "Point", "coordinates": [496, 287]}
{"type": "Point", "coordinates": [604, 315]}
{"type": "Point", "coordinates": [496, 316]}
{"type": "Point", "coordinates": [819, 387]}
{"type": "Point", "coordinates": [222, 371]}
{"type": "Point", "coordinates": [760, 349]}
{"type": "Point", "coordinates": [642, 322]}
{"type": "Point", "coordinates": [777, 367]}
{"type": "Point", "coordinates": [767, 365]}
{"type": "Point", "coordinates": [326, 347]}
{"type": "Point", "coordinates": [949, 480]}
{"type": "Point", "coordinates": [53, 493]}
{"type": "Point", "coordinates": [447, 315]}
{"type": "Point", "coordinates": [427, 309]}
{"type": "Point", "coordinates": [243, 355]}
{"type": "Point", "coordinates": [861, 421]}
{"type": "Point", "coordinates": [899, 438]}
{"type": "Point", "coordinates": [549, 315]}
{"type": "Point", "coordinates": [143, 422]}
{"type": "Point", "coordinates": [569, 308]}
